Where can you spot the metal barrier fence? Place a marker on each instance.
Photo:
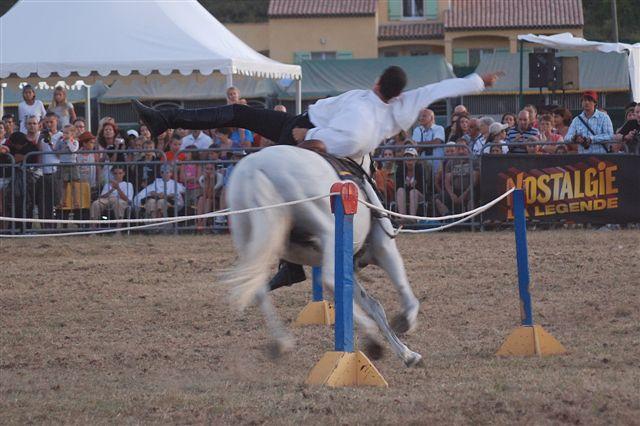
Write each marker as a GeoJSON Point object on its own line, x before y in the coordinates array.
{"type": "Point", "coordinates": [425, 180]}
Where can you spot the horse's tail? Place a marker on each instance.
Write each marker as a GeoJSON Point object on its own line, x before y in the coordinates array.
{"type": "Point", "coordinates": [259, 236]}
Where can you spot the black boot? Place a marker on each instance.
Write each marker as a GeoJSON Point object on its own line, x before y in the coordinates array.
{"type": "Point", "coordinates": [287, 275]}
{"type": "Point", "coordinates": [158, 121]}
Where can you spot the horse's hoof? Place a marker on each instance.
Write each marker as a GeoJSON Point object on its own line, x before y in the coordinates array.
{"type": "Point", "coordinates": [415, 360]}
{"type": "Point", "coordinates": [279, 348]}
{"type": "Point", "coordinates": [400, 324]}
{"type": "Point", "coordinates": [373, 349]}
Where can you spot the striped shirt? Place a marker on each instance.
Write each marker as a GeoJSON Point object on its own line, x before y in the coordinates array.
{"type": "Point", "coordinates": [528, 135]}
{"type": "Point", "coordinates": [601, 125]}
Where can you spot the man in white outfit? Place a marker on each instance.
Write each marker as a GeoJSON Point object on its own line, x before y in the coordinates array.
{"type": "Point", "coordinates": [349, 125]}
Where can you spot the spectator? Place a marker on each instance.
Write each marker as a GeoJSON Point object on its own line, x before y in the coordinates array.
{"type": "Point", "coordinates": [10, 123]}
{"type": "Point", "coordinates": [131, 136]}
{"type": "Point", "coordinates": [561, 121]}
{"type": "Point", "coordinates": [457, 112]}
{"type": "Point", "coordinates": [524, 132]}
{"type": "Point", "coordinates": [241, 138]}
{"type": "Point", "coordinates": [459, 128]}
{"type": "Point", "coordinates": [206, 201]}
{"type": "Point", "coordinates": [475, 139]}
{"type": "Point", "coordinates": [460, 178]}
{"type": "Point", "coordinates": [410, 180]}
{"type": "Point", "coordinates": [629, 133]}
{"type": "Point", "coordinates": [135, 147]}
{"type": "Point", "coordinates": [87, 167]}
{"type": "Point", "coordinates": [400, 139]}
{"type": "Point", "coordinates": [233, 95]}
{"type": "Point", "coordinates": [497, 135]}
{"type": "Point", "coordinates": [533, 115]}
{"type": "Point", "coordinates": [5, 171]}
{"type": "Point", "coordinates": [188, 175]}
{"type": "Point", "coordinates": [30, 106]}
{"type": "Point", "coordinates": [385, 176]}
{"type": "Point", "coordinates": [280, 108]}
{"type": "Point", "coordinates": [484, 124]}
{"type": "Point", "coordinates": [109, 140]}
{"type": "Point", "coordinates": [547, 135]}
{"type": "Point", "coordinates": [196, 138]}
{"type": "Point", "coordinates": [144, 132]}
{"type": "Point", "coordinates": [429, 133]}
{"type": "Point", "coordinates": [20, 147]}
{"type": "Point", "coordinates": [3, 134]}
{"type": "Point", "coordinates": [162, 194]}
{"type": "Point", "coordinates": [509, 119]}
{"type": "Point", "coordinates": [164, 140]}
{"type": "Point", "coordinates": [147, 168]}
{"type": "Point", "coordinates": [174, 153]}
{"type": "Point", "coordinates": [48, 187]}
{"type": "Point", "coordinates": [115, 196]}
{"type": "Point", "coordinates": [591, 127]}
{"type": "Point", "coordinates": [66, 149]}
{"type": "Point", "coordinates": [62, 107]}
{"type": "Point", "coordinates": [81, 125]}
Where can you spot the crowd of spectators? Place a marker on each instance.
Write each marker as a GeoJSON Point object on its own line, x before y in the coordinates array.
{"type": "Point", "coordinates": [115, 173]}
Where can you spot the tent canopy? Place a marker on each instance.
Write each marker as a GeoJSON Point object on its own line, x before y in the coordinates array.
{"type": "Point", "coordinates": [598, 71]}
{"type": "Point", "coordinates": [321, 79]}
{"type": "Point", "coordinates": [104, 39]}
{"type": "Point", "coordinates": [568, 41]}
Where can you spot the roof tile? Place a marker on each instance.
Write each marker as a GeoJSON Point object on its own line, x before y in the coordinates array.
{"type": "Point", "coordinates": [312, 8]}
{"type": "Point", "coordinates": [411, 31]}
{"type": "Point", "coordinates": [486, 14]}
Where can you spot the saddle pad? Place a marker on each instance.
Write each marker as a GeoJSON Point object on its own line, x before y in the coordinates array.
{"type": "Point", "coordinates": [346, 168]}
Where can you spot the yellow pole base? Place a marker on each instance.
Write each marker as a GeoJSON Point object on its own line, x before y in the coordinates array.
{"type": "Point", "coordinates": [345, 369]}
{"type": "Point", "coordinates": [529, 341]}
{"type": "Point", "coordinates": [317, 313]}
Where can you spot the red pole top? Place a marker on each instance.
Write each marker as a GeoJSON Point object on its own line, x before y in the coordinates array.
{"type": "Point", "coordinates": [349, 193]}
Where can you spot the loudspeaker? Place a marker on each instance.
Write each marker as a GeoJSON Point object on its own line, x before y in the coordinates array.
{"type": "Point", "coordinates": [540, 68]}
{"type": "Point", "coordinates": [570, 73]}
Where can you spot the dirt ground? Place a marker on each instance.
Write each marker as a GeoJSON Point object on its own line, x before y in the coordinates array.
{"type": "Point", "coordinates": [138, 330]}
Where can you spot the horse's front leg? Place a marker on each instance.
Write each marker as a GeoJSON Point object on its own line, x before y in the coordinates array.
{"type": "Point", "coordinates": [385, 254]}
{"type": "Point", "coordinates": [374, 310]}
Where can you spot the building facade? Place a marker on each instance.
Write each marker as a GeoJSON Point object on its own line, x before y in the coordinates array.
{"type": "Point", "coordinates": [461, 30]}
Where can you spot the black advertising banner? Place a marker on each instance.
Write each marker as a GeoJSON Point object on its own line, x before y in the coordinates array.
{"type": "Point", "coordinates": [578, 188]}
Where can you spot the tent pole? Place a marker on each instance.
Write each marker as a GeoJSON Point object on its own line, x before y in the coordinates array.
{"type": "Point", "coordinates": [87, 107]}
{"type": "Point", "coordinates": [2, 100]}
{"type": "Point", "coordinates": [520, 95]}
{"type": "Point", "coordinates": [229, 78]}
{"type": "Point", "coordinates": [299, 96]}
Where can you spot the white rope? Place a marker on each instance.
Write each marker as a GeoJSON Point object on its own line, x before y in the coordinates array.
{"type": "Point", "coordinates": [439, 218]}
{"type": "Point", "coordinates": [464, 219]}
{"type": "Point", "coordinates": [218, 213]}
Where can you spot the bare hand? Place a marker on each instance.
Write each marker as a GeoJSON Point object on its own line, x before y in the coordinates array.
{"type": "Point", "coordinates": [489, 79]}
{"type": "Point", "coordinates": [299, 134]}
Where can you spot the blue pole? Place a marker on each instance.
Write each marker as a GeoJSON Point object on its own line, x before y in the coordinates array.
{"type": "Point", "coordinates": [316, 274]}
{"type": "Point", "coordinates": [343, 277]}
{"type": "Point", "coordinates": [522, 258]}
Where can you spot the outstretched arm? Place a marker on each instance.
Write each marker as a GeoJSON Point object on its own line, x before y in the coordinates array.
{"type": "Point", "coordinates": [412, 101]}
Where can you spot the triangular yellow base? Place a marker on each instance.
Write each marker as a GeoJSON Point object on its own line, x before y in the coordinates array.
{"type": "Point", "coordinates": [345, 369]}
{"type": "Point", "coordinates": [530, 341]}
{"type": "Point", "coordinates": [317, 313]}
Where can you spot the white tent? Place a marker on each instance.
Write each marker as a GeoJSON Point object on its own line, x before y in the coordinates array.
{"type": "Point", "coordinates": [108, 40]}
{"type": "Point", "coordinates": [568, 41]}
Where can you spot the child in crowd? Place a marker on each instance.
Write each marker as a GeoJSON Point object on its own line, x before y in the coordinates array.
{"type": "Point", "coordinates": [174, 153]}
{"type": "Point", "coordinates": [65, 148]}
{"type": "Point", "coordinates": [87, 167]}
{"type": "Point", "coordinates": [207, 201]}
{"type": "Point", "coordinates": [188, 176]}
{"type": "Point", "coordinates": [62, 107]}
{"type": "Point", "coordinates": [147, 169]}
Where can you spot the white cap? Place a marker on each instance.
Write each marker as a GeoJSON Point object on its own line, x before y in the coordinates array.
{"type": "Point", "coordinates": [496, 128]}
{"type": "Point", "coordinates": [132, 133]}
{"type": "Point", "coordinates": [411, 151]}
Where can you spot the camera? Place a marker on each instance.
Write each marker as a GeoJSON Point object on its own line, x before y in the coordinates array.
{"type": "Point", "coordinates": [46, 136]}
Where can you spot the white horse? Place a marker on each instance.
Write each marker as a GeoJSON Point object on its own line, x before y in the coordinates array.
{"type": "Point", "coordinates": [304, 234]}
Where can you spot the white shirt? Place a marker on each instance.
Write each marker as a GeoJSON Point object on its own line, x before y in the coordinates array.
{"type": "Point", "coordinates": [423, 134]}
{"type": "Point", "coordinates": [354, 123]}
{"type": "Point", "coordinates": [202, 142]}
{"type": "Point", "coordinates": [170, 187]}
{"type": "Point", "coordinates": [51, 159]}
{"type": "Point", "coordinates": [25, 110]}
{"type": "Point", "coordinates": [125, 187]}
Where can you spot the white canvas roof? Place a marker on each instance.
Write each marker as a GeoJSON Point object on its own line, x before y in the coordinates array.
{"type": "Point", "coordinates": [568, 41]}
{"type": "Point", "coordinates": [104, 39]}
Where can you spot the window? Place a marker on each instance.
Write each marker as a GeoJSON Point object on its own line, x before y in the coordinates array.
{"type": "Point", "coordinates": [321, 56]}
{"type": "Point", "coordinates": [412, 9]}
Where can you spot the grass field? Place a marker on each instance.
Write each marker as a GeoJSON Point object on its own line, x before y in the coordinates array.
{"type": "Point", "coordinates": [138, 330]}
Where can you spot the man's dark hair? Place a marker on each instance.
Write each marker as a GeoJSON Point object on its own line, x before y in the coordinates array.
{"type": "Point", "coordinates": [51, 114]}
{"type": "Point", "coordinates": [8, 116]}
{"type": "Point", "coordinates": [392, 82]}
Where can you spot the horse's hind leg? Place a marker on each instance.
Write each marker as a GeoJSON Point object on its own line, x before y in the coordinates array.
{"type": "Point", "coordinates": [283, 340]}
{"type": "Point", "coordinates": [386, 255]}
